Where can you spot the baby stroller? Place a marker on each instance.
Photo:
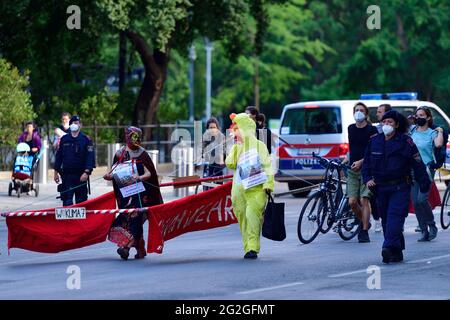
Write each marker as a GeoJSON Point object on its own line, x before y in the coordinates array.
{"type": "Point", "coordinates": [23, 172]}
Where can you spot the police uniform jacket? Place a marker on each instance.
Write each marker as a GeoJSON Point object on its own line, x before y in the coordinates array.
{"type": "Point", "coordinates": [388, 162]}
{"type": "Point", "coordinates": [75, 155]}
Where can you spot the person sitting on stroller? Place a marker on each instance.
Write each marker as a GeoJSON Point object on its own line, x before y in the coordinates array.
{"type": "Point", "coordinates": [23, 164]}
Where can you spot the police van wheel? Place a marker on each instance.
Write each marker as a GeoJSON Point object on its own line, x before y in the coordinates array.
{"type": "Point", "coordinates": [292, 185]}
{"type": "Point", "coordinates": [10, 189]}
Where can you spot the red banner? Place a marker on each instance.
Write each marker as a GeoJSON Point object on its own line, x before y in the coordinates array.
{"type": "Point", "coordinates": [434, 198]}
{"type": "Point", "coordinates": [46, 234]}
{"type": "Point", "coordinates": [207, 210]}
{"type": "Point", "coordinates": [31, 230]}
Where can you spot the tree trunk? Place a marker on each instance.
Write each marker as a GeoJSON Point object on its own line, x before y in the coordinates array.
{"type": "Point", "coordinates": [155, 64]}
{"type": "Point", "coordinates": [401, 33]}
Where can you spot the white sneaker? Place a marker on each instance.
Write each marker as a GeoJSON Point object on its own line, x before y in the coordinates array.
{"type": "Point", "coordinates": [378, 226]}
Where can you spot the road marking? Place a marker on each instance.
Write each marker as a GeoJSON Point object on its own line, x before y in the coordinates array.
{"type": "Point", "coordinates": [270, 288]}
{"type": "Point", "coordinates": [347, 273]}
{"type": "Point", "coordinates": [429, 259]}
{"type": "Point", "coordinates": [426, 260]}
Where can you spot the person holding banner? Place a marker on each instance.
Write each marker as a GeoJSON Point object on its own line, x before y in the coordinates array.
{"type": "Point", "coordinates": [136, 185]}
{"type": "Point", "coordinates": [253, 179]}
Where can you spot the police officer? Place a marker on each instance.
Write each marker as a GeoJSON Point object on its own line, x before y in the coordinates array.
{"type": "Point", "coordinates": [389, 161]}
{"type": "Point", "coordinates": [75, 160]}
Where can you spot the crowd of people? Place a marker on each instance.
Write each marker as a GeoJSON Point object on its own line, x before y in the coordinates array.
{"type": "Point", "coordinates": [389, 165]}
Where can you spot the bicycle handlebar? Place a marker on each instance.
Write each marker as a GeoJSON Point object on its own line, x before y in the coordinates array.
{"type": "Point", "coordinates": [327, 162]}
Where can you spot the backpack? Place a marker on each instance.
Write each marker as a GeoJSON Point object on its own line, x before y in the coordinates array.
{"type": "Point", "coordinates": [439, 154]}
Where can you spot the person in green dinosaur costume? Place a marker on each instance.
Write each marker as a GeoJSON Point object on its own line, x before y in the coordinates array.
{"type": "Point", "coordinates": [253, 178]}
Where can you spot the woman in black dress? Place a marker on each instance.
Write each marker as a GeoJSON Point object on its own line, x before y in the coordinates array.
{"type": "Point", "coordinates": [136, 185]}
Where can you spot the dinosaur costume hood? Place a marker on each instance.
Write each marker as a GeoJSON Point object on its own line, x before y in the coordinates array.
{"type": "Point", "coordinates": [246, 126]}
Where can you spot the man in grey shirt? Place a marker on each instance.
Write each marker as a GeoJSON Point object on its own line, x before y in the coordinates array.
{"type": "Point", "coordinates": [382, 109]}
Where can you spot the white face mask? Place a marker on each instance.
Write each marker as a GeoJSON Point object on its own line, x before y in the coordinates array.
{"type": "Point", "coordinates": [74, 127]}
{"type": "Point", "coordinates": [387, 129]}
{"type": "Point", "coordinates": [359, 116]}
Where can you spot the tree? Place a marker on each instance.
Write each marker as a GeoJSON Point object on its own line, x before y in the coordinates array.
{"type": "Point", "coordinates": [290, 50]}
{"type": "Point", "coordinates": [409, 53]}
{"type": "Point", "coordinates": [15, 103]}
{"type": "Point", "coordinates": [156, 27]}
{"type": "Point", "coordinates": [63, 63]}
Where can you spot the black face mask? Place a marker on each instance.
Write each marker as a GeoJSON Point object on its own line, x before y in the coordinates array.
{"type": "Point", "coordinates": [421, 122]}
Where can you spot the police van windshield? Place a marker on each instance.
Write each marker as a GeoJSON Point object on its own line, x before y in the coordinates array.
{"type": "Point", "coordinates": [312, 120]}
{"type": "Point", "coordinates": [438, 119]}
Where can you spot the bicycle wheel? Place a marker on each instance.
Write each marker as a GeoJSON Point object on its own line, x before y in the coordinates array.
{"type": "Point", "coordinates": [445, 210]}
{"type": "Point", "coordinates": [336, 196]}
{"type": "Point", "coordinates": [327, 219]}
{"type": "Point", "coordinates": [348, 225]}
{"type": "Point", "coordinates": [309, 220]}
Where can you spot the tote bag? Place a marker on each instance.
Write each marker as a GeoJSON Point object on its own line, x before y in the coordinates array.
{"type": "Point", "coordinates": [273, 226]}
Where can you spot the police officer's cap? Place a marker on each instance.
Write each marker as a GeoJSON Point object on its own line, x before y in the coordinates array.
{"type": "Point", "coordinates": [391, 115]}
{"type": "Point", "coordinates": [73, 119]}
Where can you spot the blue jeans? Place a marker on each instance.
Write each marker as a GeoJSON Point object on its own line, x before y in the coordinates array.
{"type": "Point", "coordinates": [422, 208]}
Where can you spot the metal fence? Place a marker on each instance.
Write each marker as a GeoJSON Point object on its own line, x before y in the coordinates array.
{"type": "Point", "coordinates": [164, 137]}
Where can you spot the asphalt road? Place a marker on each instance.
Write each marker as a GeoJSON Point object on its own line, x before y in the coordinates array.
{"type": "Point", "coordinates": [210, 265]}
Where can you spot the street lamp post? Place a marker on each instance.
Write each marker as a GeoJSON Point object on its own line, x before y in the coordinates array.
{"type": "Point", "coordinates": [208, 48]}
{"type": "Point", "coordinates": [192, 57]}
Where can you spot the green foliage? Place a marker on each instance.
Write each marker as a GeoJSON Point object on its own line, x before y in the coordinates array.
{"type": "Point", "coordinates": [34, 36]}
{"type": "Point", "coordinates": [409, 53]}
{"type": "Point", "coordinates": [173, 105]}
{"type": "Point", "coordinates": [283, 64]}
{"type": "Point", "coordinates": [15, 103]}
{"type": "Point", "coordinates": [155, 18]}
{"type": "Point", "coordinates": [97, 110]}
{"type": "Point", "coordinates": [163, 15]}
{"type": "Point", "coordinates": [118, 12]}
{"type": "Point", "coordinates": [302, 50]}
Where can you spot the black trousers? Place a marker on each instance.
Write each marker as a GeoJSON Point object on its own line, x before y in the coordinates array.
{"type": "Point", "coordinates": [374, 205]}
{"type": "Point", "coordinates": [71, 185]}
{"type": "Point", "coordinates": [212, 170]}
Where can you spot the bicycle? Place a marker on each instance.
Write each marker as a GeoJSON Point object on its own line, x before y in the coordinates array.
{"type": "Point", "coordinates": [329, 207]}
{"type": "Point", "coordinates": [445, 209]}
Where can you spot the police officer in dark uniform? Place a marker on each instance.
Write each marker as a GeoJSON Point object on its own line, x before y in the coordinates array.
{"type": "Point", "coordinates": [75, 160]}
{"type": "Point", "coordinates": [389, 160]}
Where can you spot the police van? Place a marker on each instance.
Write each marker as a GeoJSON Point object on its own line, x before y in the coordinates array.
{"type": "Point", "coordinates": [321, 127]}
